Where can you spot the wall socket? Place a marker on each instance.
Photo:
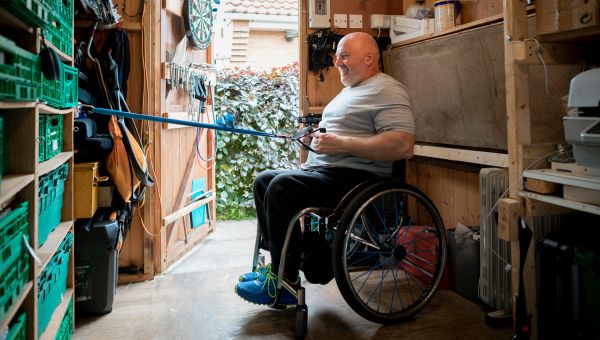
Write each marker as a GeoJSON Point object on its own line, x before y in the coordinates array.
{"type": "Point", "coordinates": [356, 21]}
{"type": "Point", "coordinates": [340, 20]}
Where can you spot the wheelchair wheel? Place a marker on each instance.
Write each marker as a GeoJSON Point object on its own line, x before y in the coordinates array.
{"type": "Point", "coordinates": [389, 252]}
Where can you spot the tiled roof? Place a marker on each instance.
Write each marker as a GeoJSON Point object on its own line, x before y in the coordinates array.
{"type": "Point", "coordinates": [265, 7]}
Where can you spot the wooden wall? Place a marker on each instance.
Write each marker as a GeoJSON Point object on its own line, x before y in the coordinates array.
{"type": "Point", "coordinates": [318, 93]}
{"type": "Point", "coordinates": [471, 10]}
{"type": "Point", "coordinates": [453, 188]}
{"type": "Point", "coordinates": [150, 247]}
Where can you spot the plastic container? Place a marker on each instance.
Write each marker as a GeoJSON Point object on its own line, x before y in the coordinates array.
{"type": "Point", "coordinates": [52, 283]}
{"type": "Point", "coordinates": [13, 281]}
{"type": "Point", "coordinates": [18, 328]}
{"type": "Point", "coordinates": [51, 136]}
{"type": "Point", "coordinates": [19, 74]}
{"type": "Point", "coordinates": [51, 189]}
{"type": "Point", "coordinates": [65, 330]}
{"type": "Point", "coordinates": [61, 93]}
{"type": "Point", "coordinates": [96, 265]}
{"type": "Point", "coordinates": [12, 226]}
{"type": "Point", "coordinates": [33, 12]}
{"type": "Point", "coordinates": [446, 14]}
{"type": "Point", "coordinates": [464, 265]}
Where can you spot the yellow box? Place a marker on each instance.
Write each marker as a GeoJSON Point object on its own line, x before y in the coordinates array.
{"type": "Point", "coordinates": [86, 189]}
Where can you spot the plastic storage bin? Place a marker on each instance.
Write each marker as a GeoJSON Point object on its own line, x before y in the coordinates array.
{"type": "Point", "coordinates": [14, 264]}
{"type": "Point", "coordinates": [19, 73]}
{"type": "Point", "coordinates": [51, 136]}
{"type": "Point", "coordinates": [61, 93]}
{"type": "Point", "coordinates": [51, 189]}
{"type": "Point", "coordinates": [463, 252]}
{"type": "Point", "coordinates": [65, 330]}
{"type": "Point", "coordinates": [17, 330]}
{"type": "Point", "coordinates": [52, 283]}
{"type": "Point", "coordinates": [96, 265]}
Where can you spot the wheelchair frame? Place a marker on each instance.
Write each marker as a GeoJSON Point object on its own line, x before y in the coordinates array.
{"type": "Point", "coordinates": [368, 200]}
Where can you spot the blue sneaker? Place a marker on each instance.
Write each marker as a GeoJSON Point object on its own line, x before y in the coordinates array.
{"type": "Point", "coordinates": [264, 292]}
{"type": "Point", "coordinates": [259, 274]}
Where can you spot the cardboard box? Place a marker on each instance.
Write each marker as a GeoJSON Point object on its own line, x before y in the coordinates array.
{"type": "Point", "coordinates": [556, 16]}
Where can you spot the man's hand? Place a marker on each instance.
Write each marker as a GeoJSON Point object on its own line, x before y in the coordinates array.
{"type": "Point", "coordinates": [328, 143]}
{"type": "Point", "coordinates": [390, 145]}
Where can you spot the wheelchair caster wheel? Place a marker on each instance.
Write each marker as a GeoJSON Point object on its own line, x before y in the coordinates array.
{"type": "Point", "coordinates": [301, 321]}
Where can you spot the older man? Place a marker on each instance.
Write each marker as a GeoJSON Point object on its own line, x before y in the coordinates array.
{"type": "Point", "coordinates": [369, 124]}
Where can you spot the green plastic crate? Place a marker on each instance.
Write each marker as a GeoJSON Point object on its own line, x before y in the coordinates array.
{"type": "Point", "coordinates": [33, 12]}
{"type": "Point", "coordinates": [13, 89]}
{"type": "Point", "coordinates": [61, 93]}
{"type": "Point", "coordinates": [12, 249]}
{"type": "Point", "coordinates": [19, 72]}
{"type": "Point", "coordinates": [3, 149]}
{"type": "Point", "coordinates": [13, 223]}
{"type": "Point", "coordinates": [63, 9]}
{"type": "Point", "coordinates": [18, 328]}
{"type": "Point", "coordinates": [589, 263]}
{"type": "Point", "coordinates": [18, 62]}
{"type": "Point", "coordinates": [65, 331]}
{"type": "Point", "coordinates": [60, 34]}
{"type": "Point", "coordinates": [52, 283]}
{"type": "Point", "coordinates": [50, 136]}
{"type": "Point", "coordinates": [13, 281]}
{"type": "Point", "coordinates": [51, 189]}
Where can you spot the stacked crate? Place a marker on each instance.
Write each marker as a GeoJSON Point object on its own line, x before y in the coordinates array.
{"type": "Point", "coordinates": [14, 258]}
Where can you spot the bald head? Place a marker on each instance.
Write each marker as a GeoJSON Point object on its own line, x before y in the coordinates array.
{"type": "Point", "coordinates": [357, 58]}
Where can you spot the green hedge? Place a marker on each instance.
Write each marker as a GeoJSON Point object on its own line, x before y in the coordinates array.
{"type": "Point", "coordinates": [263, 101]}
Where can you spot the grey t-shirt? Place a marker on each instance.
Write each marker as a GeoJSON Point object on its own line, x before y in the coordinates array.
{"type": "Point", "coordinates": [377, 104]}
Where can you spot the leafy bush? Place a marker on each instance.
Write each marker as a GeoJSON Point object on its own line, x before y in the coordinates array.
{"type": "Point", "coordinates": [262, 101]}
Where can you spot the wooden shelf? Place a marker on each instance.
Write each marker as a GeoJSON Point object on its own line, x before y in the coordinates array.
{"type": "Point", "coordinates": [53, 163]}
{"type": "Point", "coordinates": [549, 175]}
{"type": "Point", "coordinates": [9, 20]}
{"type": "Point", "coordinates": [58, 315]}
{"type": "Point", "coordinates": [54, 240]}
{"type": "Point", "coordinates": [62, 55]}
{"type": "Point", "coordinates": [16, 305]}
{"type": "Point", "coordinates": [470, 25]}
{"type": "Point", "coordinates": [559, 201]}
{"type": "Point", "coordinates": [462, 155]}
{"type": "Point", "coordinates": [51, 110]}
{"type": "Point", "coordinates": [4, 105]}
{"type": "Point", "coordinates": [11, 185]}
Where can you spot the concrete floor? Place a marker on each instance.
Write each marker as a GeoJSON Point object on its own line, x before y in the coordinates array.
{"type": "Point", "coordinates": [195, 299]}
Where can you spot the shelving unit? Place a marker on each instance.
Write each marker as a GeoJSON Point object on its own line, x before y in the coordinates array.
{"type": "Point", "coordinates": [21, 180]}
{"type": "Point", "coordinates": [532, 131]}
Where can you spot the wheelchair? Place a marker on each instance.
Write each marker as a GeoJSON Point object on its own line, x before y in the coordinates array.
{"type": "Point", "coordinates": [388, 250]}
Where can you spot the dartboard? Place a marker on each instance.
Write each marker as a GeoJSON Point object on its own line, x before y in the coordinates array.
{"type": "Point", "coordinates": [198, 20]}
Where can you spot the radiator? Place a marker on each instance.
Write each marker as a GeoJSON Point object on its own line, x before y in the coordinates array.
{"type": "Point", "coordinates": [494, 280]}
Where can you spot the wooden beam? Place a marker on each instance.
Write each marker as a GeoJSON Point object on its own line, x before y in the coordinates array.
{"type": "Point", "coordinates": [462, 155]}
{"type": "Point", "coordinates": [541, 187]}
{"type": "Point", "coordinates": [173, 6]}
{"type": "Point", "coordinates": [517, 90]}
{"type": "Point", "coordinates": [508, 219]}
{"type": "Point", "coordinates": [526, 52]}
{"type": "Point", "coordinates": [186, 210]}
{"type": "Point", "coordinates": [170, 229]}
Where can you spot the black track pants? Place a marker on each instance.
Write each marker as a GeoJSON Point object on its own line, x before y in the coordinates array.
{"type": "Point", "coordinates": [281, 194]}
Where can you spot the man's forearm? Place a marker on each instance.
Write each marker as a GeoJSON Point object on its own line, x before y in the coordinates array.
{"type": "Point", "coordinates": [388, 146]}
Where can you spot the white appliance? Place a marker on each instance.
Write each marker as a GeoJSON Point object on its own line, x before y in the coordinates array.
{"type": "Point", "coordinates": [403, 28]}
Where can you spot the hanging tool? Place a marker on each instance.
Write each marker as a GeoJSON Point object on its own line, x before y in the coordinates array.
{"type": "Point", "coordinates": [296, 137]}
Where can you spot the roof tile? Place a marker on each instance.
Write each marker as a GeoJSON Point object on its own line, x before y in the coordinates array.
{"type": "Point", "coordinates": [265, 7]}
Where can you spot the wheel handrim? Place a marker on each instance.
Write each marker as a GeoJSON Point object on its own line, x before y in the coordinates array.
{"type": "Point", "coordinates": [392, 263]}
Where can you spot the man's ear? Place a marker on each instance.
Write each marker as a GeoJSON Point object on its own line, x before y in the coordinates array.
{"type": "Point", "coordinates": [369, 58]}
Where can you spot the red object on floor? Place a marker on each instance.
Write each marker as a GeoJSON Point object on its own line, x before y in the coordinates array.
{"type": "Point", "coordinates": [422, 254]}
